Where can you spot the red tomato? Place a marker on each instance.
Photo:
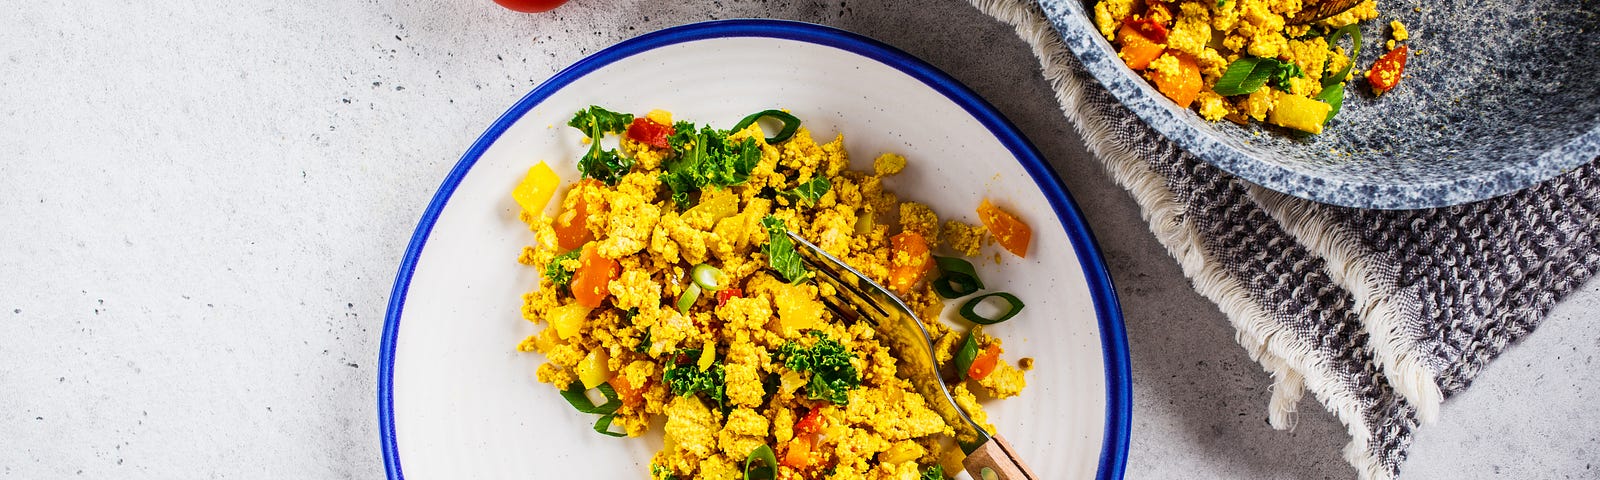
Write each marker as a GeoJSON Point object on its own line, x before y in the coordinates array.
{"type": "Point", "coordinates": [594, 275]}
{"type": "Point", "coordinates": [985, 363]}
{"type": "Point", "coordinates": [1386, 72]}
{"type": "Point", "coordinates": [645, 131]}
{"type": "Point", "coordinates": [530, 6]}
{"type": "Point", "coordinates": [727, 293]}
{"type": "Point", "coordinates": [809, 423]}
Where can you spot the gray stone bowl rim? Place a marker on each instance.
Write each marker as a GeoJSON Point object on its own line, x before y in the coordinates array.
{"type": "Point", "coordinates": [1079, 34]}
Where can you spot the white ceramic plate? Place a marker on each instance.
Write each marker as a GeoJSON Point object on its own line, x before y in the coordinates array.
{"type": "Point", "coordinates": [457, 400]}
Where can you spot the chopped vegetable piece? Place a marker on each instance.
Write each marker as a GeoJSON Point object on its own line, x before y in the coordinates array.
{"type": "Point", "coordinates": [708, 277]}
{"type": "Point", "coordinates": [909, 261]}
{"type": "Point", "coordinates": [797, 454]}
{"type": "Point", "coordinates": [567, 319]}
{"type": "Point", "coordinates": [592, 369]}
{"type": "Point", "coordinates": [810, 191]}
{"type": "Point", "coordinates": [687, 299]}
{"type": "Point", "coordinates": [1385, 74]}
{"type": "Point", "coordinates": [630, 395]}
{"type": "Point", "coordinates": [767, 464]}
{"type": "Point", "coordinates": [648, 132]}
{"type": "Point", "coordinates": [957, 278]}
{"type": "Point", "coordinates": [1007, 229]}
{"type": "Point", "coordinates": [810, 423]}
{"type": "Point", "coordinates": [558, 274]}
{"type": "Point", "coordinates": [965, 355]}
{"type": "Point", "coordinates": [832, 374]}
{"type": "Point", "coordinates": [594, 275]}
{"type": "Point", "coordinates": [1137, 50]}
{"type": "Point", "coordinates": [686, 378]}
{"type": "Point", "coordinates": [536, 188]}
{"type": "Point", "coordinates": [985, 363]}
{"type": "Point", "coordinates": [934, 473]}
{"type": "Point", "coordinates": [706, 157]}
{"type": "Point", "coordinates": [1354, 32]}
{"type": "Point", "coordinates": [791, 124]}
{"type": "Point", "coordinates": [1333, 95]}
{"type": "Point", "coordinates": [574, 394]}
{"type": "Point", "coordinates": [1299, 113]}
{"type": "Point", "coordinates": [1149, 28]}
{"type": "Point", "coordinates": [969, 310]}
{"type": "Point", "coordinates": [781, 255]}
{"type": "Point", "coordinates": [1182, 86]}
{"type": "Point", "coordinates": [728, 293]}
{"type": "Point", "coordinates": [572, 226]}
{"type": "Point", "coordinates": [602, 425]}
{"type": "Point", "coordinates": [601, 164]}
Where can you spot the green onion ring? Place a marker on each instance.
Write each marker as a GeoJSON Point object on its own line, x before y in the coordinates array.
{"type": "Point", "coordinates": [1333, 42]}
{"type": "Point", "coordinates": [957, 279]}
{"type": "Point", "coordinates": [574, 394]}
{"type": "Point", "coordinates": [707, 277]}
{"type": "Point", "coordinates": [965, 356]}
{"type": "Point", "coordinates": [969, 309]}
{"type": "Point", "coordinates": [764, 455]}
{"type": "Point", "coordinates": [790, 124]}
{"type": "Point", "coordinates": [690, 295]}
{"type": "Point", "coordinates": [603, 425]}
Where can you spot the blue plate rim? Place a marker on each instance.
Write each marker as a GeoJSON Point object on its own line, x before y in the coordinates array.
{"type": "Point", "coordinates": [1114, 347]}
{"type": "Point", "coordinates": [1078, 33]}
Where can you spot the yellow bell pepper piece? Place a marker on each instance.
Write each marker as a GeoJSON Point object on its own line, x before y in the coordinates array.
{"type": "Point", "coordinates": [568, 319]}
{"type": "Point", "coordinates": [1299, 113]}
{"type": "Point", "coordinates": [592, 370]}
{"type": "Point", "coordinates": [536, 189]}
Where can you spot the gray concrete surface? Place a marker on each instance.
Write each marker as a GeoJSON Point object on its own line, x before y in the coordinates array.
{"type": "Point", "coordinates": [204, 204]}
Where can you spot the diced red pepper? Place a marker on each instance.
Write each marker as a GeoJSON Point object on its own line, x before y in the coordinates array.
{"type": "Point", "coordinates": [727, 293]}
{"type": "Point", "coordinates": [648, 132]}
{"type": "Point", "coordinates": [985, 363]}
{"type": "Point", "coordinates": [1148, 27]}
{"type": "Point", "coordinates": [809, 423]}
{"type": "Point", "coordinates": [593, 277]}
{"type": "Point", "coordinates": [1385, 74]}
{"type": "Point", "coordinates": [572, 226]}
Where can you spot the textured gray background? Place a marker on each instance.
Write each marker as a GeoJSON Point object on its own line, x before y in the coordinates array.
{"type": "Point", "coordinates": [203, 206]}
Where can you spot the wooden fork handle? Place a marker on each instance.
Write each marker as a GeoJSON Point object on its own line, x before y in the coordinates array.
{"type": "Point", "coordinates": [996, 460]}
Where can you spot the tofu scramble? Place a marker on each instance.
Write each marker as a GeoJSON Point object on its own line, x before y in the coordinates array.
{"type": "Point", "coordinates": [1277, 61]}
{"type": "Point", "coordinates": [665, 288]}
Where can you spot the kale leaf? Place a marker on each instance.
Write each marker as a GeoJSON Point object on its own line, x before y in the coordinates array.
{"type": "Point", "coordinates": [601, 164]}
{"type": "Point", "coordinates": [935, 473]}
{"type": "Point", "coordinates": [832, 374]}
{"type": "Point", "coordinates": [687, 378]}
{"type": "Point", "coordinates": [706, 157]}
{"type": "Point", "coordinates": [810, 191]}
{"type": "Point", "coordinates": [558, 274]}
{"type": "Point", "coordinates": [780, 251]}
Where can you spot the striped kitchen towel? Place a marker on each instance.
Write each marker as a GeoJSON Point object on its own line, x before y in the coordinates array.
{"type": "Point", "coordinates": [1380, 315]}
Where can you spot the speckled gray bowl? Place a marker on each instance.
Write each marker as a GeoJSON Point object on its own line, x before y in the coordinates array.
{"type": "Point", "coordinates": [1498, 95]}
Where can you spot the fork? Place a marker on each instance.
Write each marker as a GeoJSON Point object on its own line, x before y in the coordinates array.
{"type": "Point", "coordinates": [989, 457]}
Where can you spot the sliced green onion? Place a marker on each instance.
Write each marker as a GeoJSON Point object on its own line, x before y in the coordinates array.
{"type": "Point", "coordinates": [603, 425]}
{"type": "Point", "coordinates": [957, 278]}
{"type": "Point", "coordinates": [690, 295]}
{"type": "Point", "coordinates": [965, 356]}
{"type": "Point", "coordinates": [575, 396]}
{"type": "Point", "coordinates": [707, 277]}
{"type": "Point", "coordinates": [790, 123]}
{"type": "Point", "coordinates": [769, 460]}
{"type": "Point", "coordinates": [969, 310]}
{"type": "Point", "coordinates": [1333, 95]}
{"type": "Point", "coordinates": [1333, 42]}
{"type": "Point", "coordinates": [1245, 75]}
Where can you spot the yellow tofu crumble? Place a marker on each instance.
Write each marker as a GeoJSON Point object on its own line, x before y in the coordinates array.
{"type": "Point", "coordinates": [760, 359]}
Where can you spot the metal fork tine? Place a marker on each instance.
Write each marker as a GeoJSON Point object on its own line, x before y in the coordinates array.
{"type": "Point", "coordinates": [856, 299]}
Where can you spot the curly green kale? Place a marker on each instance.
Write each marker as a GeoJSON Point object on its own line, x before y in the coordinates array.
{"type": "Point", "coordinates": [685, 378]}
{"type": "Point", "coordinates": [601, 164]}
{"type": "Point", "coordinates": [705, 157]}
{"type": "Point", "coordinates": [832, 374]}
{"type": "Point", "coordinates": [558, 274]}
